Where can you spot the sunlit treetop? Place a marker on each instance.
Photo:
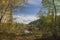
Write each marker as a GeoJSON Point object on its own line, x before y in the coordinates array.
{"type": "Point", "coordinates": [10, 3]}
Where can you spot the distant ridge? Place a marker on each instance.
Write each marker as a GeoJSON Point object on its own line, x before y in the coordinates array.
{"type": "Point", "coordinates": [35, 22]}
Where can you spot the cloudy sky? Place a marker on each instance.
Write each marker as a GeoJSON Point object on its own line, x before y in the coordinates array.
{"type": "Point", "coordinates": [28, 12]}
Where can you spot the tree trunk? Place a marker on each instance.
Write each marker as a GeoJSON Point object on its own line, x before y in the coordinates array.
{"type": "Point", "coordinates": [54, 20]}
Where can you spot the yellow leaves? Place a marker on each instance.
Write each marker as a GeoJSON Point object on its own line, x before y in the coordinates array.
{"type": "Point", "coordinates": [12, 29]}
{"type": "Point", "coordinates": [4, 3]}
{"type": "Point", "coordinates": [47, 19]}
{"type": "Point", "coordinates": [7, 7]}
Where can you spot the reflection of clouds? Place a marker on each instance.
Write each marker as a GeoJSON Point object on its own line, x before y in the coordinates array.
{"type": "Point", "coordinates": [24, 19]}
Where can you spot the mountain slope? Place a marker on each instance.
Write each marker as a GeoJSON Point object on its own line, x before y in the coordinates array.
{"type": "Point", "coordinates": [35, 22]}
